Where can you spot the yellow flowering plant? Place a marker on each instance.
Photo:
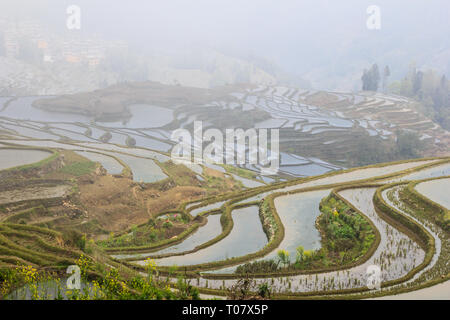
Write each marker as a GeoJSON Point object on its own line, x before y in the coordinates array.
{"type": "Point", "coordinates": [151, 267]}
{"type": "Point", "coordinates": [84, 264]}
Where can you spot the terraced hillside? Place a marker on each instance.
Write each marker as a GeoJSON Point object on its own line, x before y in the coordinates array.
{"type": "Point", "coordinates": [410, 243]}
{"type": "Point", "coordinates": [100, 190]}
{"type": "Point", "coordinates": [405, 233]}
{"type": "Point", "coordinates": [52, 211]}
{"type": "Point", "coordinates": [319, 131]}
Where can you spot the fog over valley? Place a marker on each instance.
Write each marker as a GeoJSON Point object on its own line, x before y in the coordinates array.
{"type": "Point", "coordinates": [224, 150]}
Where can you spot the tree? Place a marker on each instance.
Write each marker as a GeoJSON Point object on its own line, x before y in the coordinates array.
{"type": "Point", "coordinates": [430, 89]}
{"type": "Point", "coordinates": [386, 74]}
{"type": "Point", "coordinates": [371, 78]}
{"type": "Point", "coordinates": [408, 144]}
{"type": "Point", "coordinates": [375, 77]}
{"type": "Point", "coordinates": [365, 80]}
{"type": "Point", "coordinates": [417, 83]}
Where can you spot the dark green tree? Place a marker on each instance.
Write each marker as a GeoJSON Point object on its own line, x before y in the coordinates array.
{"type": "Point", "coordinates": [417, 83]}
{"type": "Point", "coordinates": [365, 80]}
{"type": "Point", "coordinates": [375, 77]}
{"type": "Point", "coordinates": [386, 74]}
{"type": "Point", "coordinates": [371, 78]}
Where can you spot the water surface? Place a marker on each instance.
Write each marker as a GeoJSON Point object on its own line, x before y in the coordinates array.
{"type": "Point", "coordinates": [247, 236]}
{"type": "Point", "coordinates": [10, 158]}
{"type": "Point", "coordinates": [436, 190]}
{"type": "Point", "coordinates": [111, 165]}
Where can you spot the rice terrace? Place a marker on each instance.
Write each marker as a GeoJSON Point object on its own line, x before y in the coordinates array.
{"type": "Point", "coordinates": [107, 197]}
{"type": "Point", "coordinates": [213, 174]}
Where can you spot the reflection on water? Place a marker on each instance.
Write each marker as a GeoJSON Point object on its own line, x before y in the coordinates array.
{"type": "Point", "coordinates": [298, 213]}
{"type": "Point", "coordinates": [433, 172]}
{"type": "Point", "coordinates": [215, 205]}
{"type": "Point", "coordinates": [111, 165]}
{"type": "Point", "coordinates": [22, 109]}
{"type": "Point", "coordinates": [50, 290]}
{"type": "Point", "coordinates": [14, 157]}
{"type": "Point", "coordinates": [144, 170]}
{"type": "Point", "coordinates": [208, 232]}
{"type": "Point", "coordinates": [438, 292]}
{"type": "Point", "coordinates": [436, 190]}
{"type": "Point", "coordinates": [247, 236]}
{"type": "Point", "coordinates": [144, 116]}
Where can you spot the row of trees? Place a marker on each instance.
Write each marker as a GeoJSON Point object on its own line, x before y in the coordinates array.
{"type": "Point", "coordinates": [431, 89]}
{"type": "Point", "coordinates": [371, 78]}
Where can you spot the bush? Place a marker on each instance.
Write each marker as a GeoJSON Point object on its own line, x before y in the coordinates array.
{"type": "Point", "coordinates": [167, 224]}
{"type": "Point", "coordinates": [263, 266]}
{"type": "Point", "coordinates": [75, 238]}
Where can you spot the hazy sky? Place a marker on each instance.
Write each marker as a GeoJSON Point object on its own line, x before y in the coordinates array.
{"type": "Point", "coordinates": [297, 35]}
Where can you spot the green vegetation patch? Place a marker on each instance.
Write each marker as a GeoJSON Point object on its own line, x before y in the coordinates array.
{"type": "Point", "coordinates": [245, 173]}
{"type": "Point", "coordinates": [346, 237]}
{"type": "Point", "coordinates": [179, 173]}
{"type": "Point", "coordinates": [79, 168]}
{"type": "Point", "coordinates": [346, 234]}
{"type": "Point", "coordinates": [153, 232]}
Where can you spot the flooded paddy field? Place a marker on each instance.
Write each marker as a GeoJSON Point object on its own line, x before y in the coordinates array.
{"type": "Point", "coordinates": [138, 152]}
{"type": "Point", "coordinates": [288, 204]}
{"type": "Point", "coordinates": [436, 190]}
{"type": "Point", "coordinates": [428, 173]}
{"type": "Point", "coordinates": [247, 236]}
{"type": "Point", "coordinates": [316, 123]}
{"type": "Point", "coordinates": [144, 170]}
{"type": "Point", "coordinates": [153, 144]}
{"type": "Point", "coordinates": [248, 183]}
{"type": "Point", "coordinates": [98, 147]}
{"type": "Point", "coordinates": [396, 255]}
{"type": "Point", "coordinates": [366, 173]}
{"type": "Point", "coordinates": [212, 206]}
{"type": "Point", "coordinates": [352, 176]}
{"type": "Point", "coordinates": [204, 234]}
{"type": "Point", "coordinates": [111, 165]}
{"type": "Point", "coordinates": [144, 116]}
{"type": "Point", "coordinates": [391, 197]}
{"type": "Point", "coordinates": [49, 290]}
{"type": "Point", "coordinates": [10, 158]}
{"type": "Point", "coordinates": [438, 266]}
{"type": "Point", "coordinates": [29, 132]}
{"type": "Point", "coordinates": [298, 213]}
{"type": "Point", "coordinates": [437, 292]}
{"type": "Point", "coordinates": [22, 109]}
{"type": "Point", "coordinates": [323, 120]}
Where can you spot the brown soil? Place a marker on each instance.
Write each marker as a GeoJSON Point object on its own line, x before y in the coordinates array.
{"type": "Point", "coordinates": [118, 203]}
{"type": "Point", "coordinates": [228, 183]}
{"type": "Point", "coordinates": [106, 203]}
{"type": "Point", "coordinates": [171, 199]}
{"type": "Point", "coordinates": [214, 173]}
{"type": "Point", "coordinates": [111, 202]}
